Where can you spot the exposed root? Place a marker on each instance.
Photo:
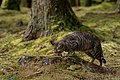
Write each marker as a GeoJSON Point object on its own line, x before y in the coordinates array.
{"type": "Point", "coordinates": [47, 60]}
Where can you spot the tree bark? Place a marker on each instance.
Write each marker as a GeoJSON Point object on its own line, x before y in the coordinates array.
{"type": "Point", "coordinates": [49, 13]}
{"type": "Point", "coordinates": [11, 4]}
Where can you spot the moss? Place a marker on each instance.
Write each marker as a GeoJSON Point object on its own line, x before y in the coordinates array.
{"type": "Point", "coordinates": [11, 77]}
{"type": "Point", "coordinates": [101, 24]}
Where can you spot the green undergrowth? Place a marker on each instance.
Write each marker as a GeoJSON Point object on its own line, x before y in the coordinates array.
{"type": "Point", "coordinates": [101, 21]}
{"type": "Point", "coordinates": [11, 20]}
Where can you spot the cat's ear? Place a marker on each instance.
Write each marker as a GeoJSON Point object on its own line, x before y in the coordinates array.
{"type": "Point", "coordinates": [52, 42]}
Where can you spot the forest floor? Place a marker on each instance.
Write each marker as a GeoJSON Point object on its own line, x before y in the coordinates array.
{"type": "Point", "coordinates": [102, 19]}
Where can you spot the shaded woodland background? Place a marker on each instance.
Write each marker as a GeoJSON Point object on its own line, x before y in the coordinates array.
{"type": "Point", "coordinates": [100, 17]}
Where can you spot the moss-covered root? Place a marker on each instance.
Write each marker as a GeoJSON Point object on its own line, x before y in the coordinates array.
{"type": "Point", "coordinates": [46, 60]}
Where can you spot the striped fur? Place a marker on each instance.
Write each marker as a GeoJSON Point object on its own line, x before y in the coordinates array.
{"type": "Point", "coordinates": [80, 41]}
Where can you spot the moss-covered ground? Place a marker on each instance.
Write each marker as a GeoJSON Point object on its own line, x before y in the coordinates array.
{"type": "Point", "coordinates": [101, 19]}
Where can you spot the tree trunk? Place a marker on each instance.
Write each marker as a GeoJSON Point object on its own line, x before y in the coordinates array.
{"type": "Point", "coordinates": [48, 15]}
{"type": "Point", "coordinates": [0, 2]}
{"type": "Point", "coordinates": [11, 4]}
{"type": "Point", "coordinates": [74, 2]}
{"type": "Point", "coordinates": [29, 3]}
{"type": "Point", "coordinates": [118, 6]}
{"type": "Point", "coordinates": [23, 3]}
{"type": "Point", "coordinates": [88, 3]}
{"type": "Point", "coordinates": [77, 2]}
{"type": "Point", "coordinates": [26, 3]}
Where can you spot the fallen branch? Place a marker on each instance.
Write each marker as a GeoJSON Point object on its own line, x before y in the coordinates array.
{"type": "Point", "coordinates": [4, 70]}
{"type": "Point", "coordinates": [33, 74]}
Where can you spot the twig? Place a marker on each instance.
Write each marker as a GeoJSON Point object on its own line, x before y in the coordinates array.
{"type": "Point", "coordinates": [35, 73]}
{"type": "Point", "coordinates": [3, 70]}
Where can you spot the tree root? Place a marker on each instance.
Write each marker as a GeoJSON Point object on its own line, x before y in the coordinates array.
{"type": "Point", "coordinates": [47, 60]}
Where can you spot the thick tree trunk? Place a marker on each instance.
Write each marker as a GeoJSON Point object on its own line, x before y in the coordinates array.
{"type": "Point", "coordinates": [49, 13]}
{"type": "Point", "coordinates": [11, 4]}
